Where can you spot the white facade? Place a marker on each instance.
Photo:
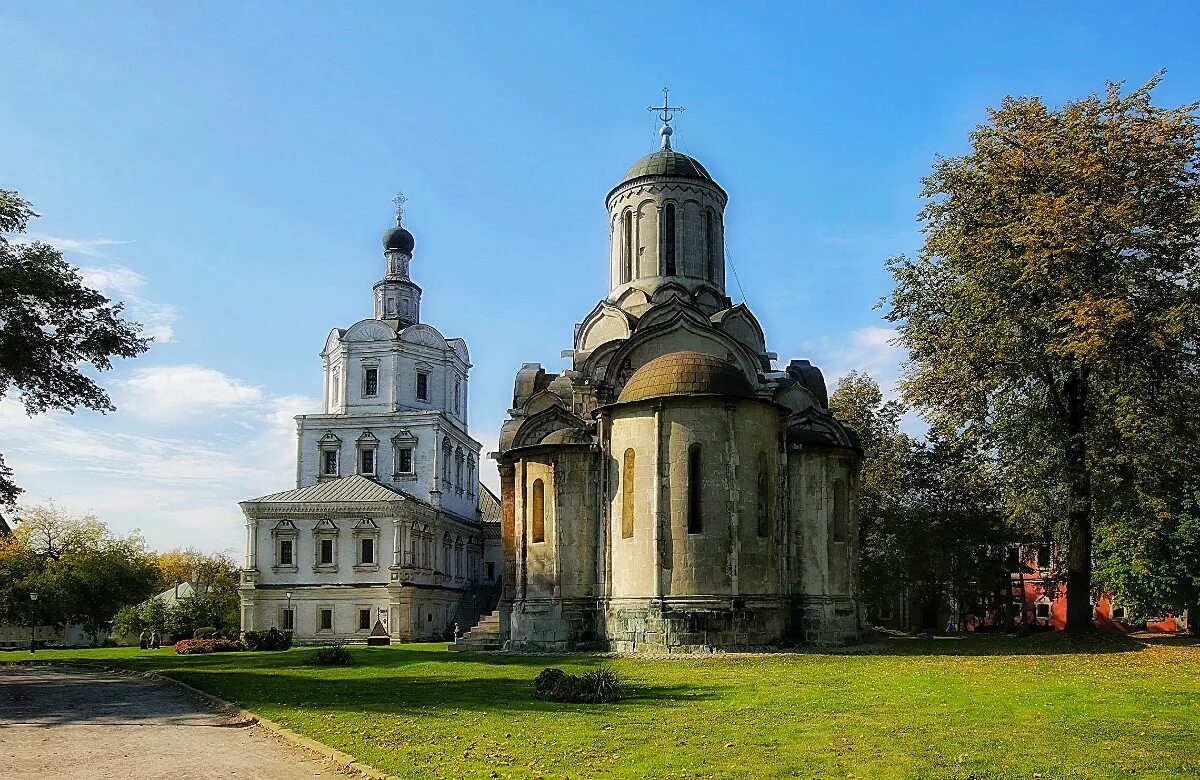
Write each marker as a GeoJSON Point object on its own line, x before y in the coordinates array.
{"type": "Point", "coordinates": [384, 527]}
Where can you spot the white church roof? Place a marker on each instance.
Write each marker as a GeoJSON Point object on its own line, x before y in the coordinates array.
{"type": "Point", "coordinates": [352, 488]}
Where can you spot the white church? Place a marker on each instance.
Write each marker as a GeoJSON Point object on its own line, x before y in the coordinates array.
{"type": "Point", "coordinates": [388, 531]}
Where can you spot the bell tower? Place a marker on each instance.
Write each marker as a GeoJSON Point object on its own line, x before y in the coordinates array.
{"type": "Point", "coordinates": [397, 297]}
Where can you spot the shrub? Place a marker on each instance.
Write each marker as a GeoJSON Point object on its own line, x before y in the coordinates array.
{"type": "Point", "coordinates": [271, 639]}
{"type": "Point", "coordinates": [597, 686]}
{"type": "Point", "coordinates": [204, 632]}
{"type": "Point", "coordinates": [197, 646]}
{"type": "Point", "coordinates": [335, 655]}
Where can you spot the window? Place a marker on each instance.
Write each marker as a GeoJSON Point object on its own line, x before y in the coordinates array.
{"type": "Point", "coordinates": [285, 552]}
{"type": "Point", "coordinates": [446, 455]}
{"type": "Point", "coordinates": [364, 620]}
{"type": "Point", "coordinates": [404, 460]}
{"type": "Point", "coordinates": [457, 394]}
{"type": "Point", "coordinates": [1042, 610]}
{"type": "Point", "coordinates": [491, 570]}
{"type": "Point", "coordinates": [1014, 558]}
{"type": "Point", "coordinates": [470, 475]}
{"type": "Point", "coordinates": [885, 612]}
{"type": "Point", "coordinates": [710, 247]}
{"type": "Point", "coordinates": [669, 228]}
{"type": "Point", "coordinates": [539, 511]}
{"type": "Point", "coordinates": [335, 392]}
{"type": "Point", "coordinates": [366, 549]}
{"type": "Point", "coordinates": [840, 521]}
{"type": "Point", "coordinates": [422, 386]}
{"type": "Point", "coordinates": [764, 496]}
{"type": "Point", "coordinates": [1118, 613]}
{"type": "Point", "coordinates": [627, 247]}
{"type": "Point", "coordinates": [366, 461]}
{"type": "Point", "coordinates": [458, 469]}
{"type": "Point", "coordinates": [1043, 556]}
{"type": "Point", "coordinates": [326, 619]}
{"type": "Point", "coordinates": [329, 463]}
{"type": "Point", "coordinates": [370, 382]}
{"type": "Point", "coordinates": [695, 522]}
{"type": "Point", "coordinates": [288, 619]}
{"type": "Point", "coordinates": [627, 495]}
{"type": "Point", "coordinates": [326, 552]}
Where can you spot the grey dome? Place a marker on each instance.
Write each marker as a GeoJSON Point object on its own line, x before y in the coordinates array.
{"type": "Point", "coordinates": [667, 162]}
{"type": "Point", "coordinates": [399, 238]}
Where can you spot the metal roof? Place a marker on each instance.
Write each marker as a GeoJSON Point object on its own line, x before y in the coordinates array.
{"type": "Point", "coordinates": [489, 505]}
{"type": "Point", "coordinates": [352, 488]}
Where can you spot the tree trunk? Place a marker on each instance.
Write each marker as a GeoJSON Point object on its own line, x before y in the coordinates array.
{"type": "Point", "coordinates": [1079, 508]}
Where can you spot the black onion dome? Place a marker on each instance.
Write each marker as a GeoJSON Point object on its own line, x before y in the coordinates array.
{"type": "Point", "coordinates": [400, 239]}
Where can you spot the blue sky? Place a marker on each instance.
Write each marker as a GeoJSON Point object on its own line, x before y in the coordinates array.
{"type": "Point", "coordinates": [228, 168]}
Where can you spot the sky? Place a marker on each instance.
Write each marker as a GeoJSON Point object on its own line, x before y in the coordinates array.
{"type": "Point", "coordinates": [227, 170]}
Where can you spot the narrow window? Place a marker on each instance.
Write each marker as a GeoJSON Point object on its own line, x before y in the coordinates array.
{"type": "Point", "coordinates": [327, 620]}
{"type": "Point", "coordinates": [364, 620]}
{"type": "Point", "coordinates": [539, 511]}
{"type": "Point", "coordinates": [627, 247]}
{"type": "Point", "coordinates": [840, 524]}
{"type": "Point", "coordinates": [331, 462]}
{"type": "Point", "coordinates": [457, 394]}
{"type": "Point", "coordinates": [289, 619]}
{"type": "Point", "coordinates": [285, 552]}
{"type": "Point", "coordinates": [695, 522]}
{"type": "Point", "coordinates": [368, 551]}
{"type": "Point", "coordinates": [669, 227]}
{"type": "Point", "coordinates": [1043, 556]}
{"type": "Point", "coordinates": [710, 248]}
{"type": "Point", "coordinates": [491, 570]}
{"type": "Point", "coordinates": [370, 382]}
{"type": "Point", "coordinates": [458, 470]}
{"type": "Point", "coordinates": [422, 386]}
{"type": "Point", "coordinates": [627, 496]}
{"type": "Point", "coordinates": [1014, 558]}
{"type": "Point", "coordinates": [326, 552]}
{"type": "Point", "coordinates": [446, 453]}
{"type": "Point", "coordinates": [367, 461]}
{"type": "Point", "coordinates": [764, 496]}
{"type": "Point", "coordinates": [404, 460]}
{"type": "Point", "coordinates": [470, 475]}
{"type": "Point", "coordinates": [391, 306]}
{"type": "Point", "coordinates": [336, 390]}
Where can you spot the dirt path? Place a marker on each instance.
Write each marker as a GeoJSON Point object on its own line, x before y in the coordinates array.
{"type": "Point", "coordinates": [84, 724]}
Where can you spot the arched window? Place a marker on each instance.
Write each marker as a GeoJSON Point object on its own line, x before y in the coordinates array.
{"type": "Point", "coordinates": [458, 469]}
{"type": "Point", "coordinates": [539, 511]}
{"type": "Point", "coordinates": [710, 245]}
{"type": "Point", "coordinates": [841, 525]}
{"type": "Point", "coordinates": [764, 496]}
{"type": "Point", "coordinates": [446, 455]}
{"type": "Point", "coordinates": [695, 522]}
{"type": "Point", "coordinates": [470, 475]}
{"type": "Point", "coordinates": [627, 247]}
{"type": "Point", "coordinates": [627, 496]}
{"type": "Point", "coordinates": [669, 238]}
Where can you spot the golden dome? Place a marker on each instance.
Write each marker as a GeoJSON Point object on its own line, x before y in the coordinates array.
{"type": "Point", "coordinates": [686, 373]}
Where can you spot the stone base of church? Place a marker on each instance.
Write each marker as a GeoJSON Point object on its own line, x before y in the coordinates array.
{"type": "Point", "coordinates": [689, 624]}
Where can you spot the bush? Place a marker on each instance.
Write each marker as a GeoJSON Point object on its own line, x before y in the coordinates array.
{"type": "Point", "coordinates": [597, 686]}
{"type": "Point", "coordinates": [204, 632]}
{"type": "Point", "coordinates": [271, 639]}
{"type": "Point", "coordinates": [197, 646]}
{"type": "Point", "coordinates": [335, 655]}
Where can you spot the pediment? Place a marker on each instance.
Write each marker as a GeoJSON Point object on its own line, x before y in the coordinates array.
{"type": "Point", "coordinates": [333, 341]}
{"type": "Point", "coordinates": [425, 335]}
{"type": "Point", "coordinates": [284, 527]}
{"type": "Point", "coordinates": [739, 322]}
{"type": "Point", "coordinates": [538, 426]}
{"type": "Point", "coordinates": [326, 525]}
{"type": "Point", "coordinates": [605, 323]}
{"type": "Point", "coordinates": [329, 439]}
{"type": "Point", "coordinates": [368, 330]}
{"type": "Point", "coordinates": [366, 524]}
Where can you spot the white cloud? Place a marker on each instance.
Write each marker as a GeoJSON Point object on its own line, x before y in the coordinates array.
{"type": "Point", "coordinates": [124, 284]}
{"type": "Point", "coordinates": [168, 393]}
{"type": "Point", "coordinates": [869, 350]}
{"type": "Point", "coordinates": [92, 247]}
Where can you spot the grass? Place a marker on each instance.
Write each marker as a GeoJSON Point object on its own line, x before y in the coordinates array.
{"type": "Point", "coordinates": [995, 707]}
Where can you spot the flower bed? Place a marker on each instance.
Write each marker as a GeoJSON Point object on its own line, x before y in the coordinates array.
{"type": "Point", "coordinates": [196, 646]}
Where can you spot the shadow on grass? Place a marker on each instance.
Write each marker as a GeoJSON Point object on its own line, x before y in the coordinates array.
{"type": "Point", "coordinates": [1048, 643]}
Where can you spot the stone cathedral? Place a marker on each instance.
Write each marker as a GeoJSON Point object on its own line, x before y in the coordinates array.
{"type": "Point", "coordinates": [672, 490]}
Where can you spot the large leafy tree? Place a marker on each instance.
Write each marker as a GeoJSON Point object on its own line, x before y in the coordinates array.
{"type": "Point", "coordinates": [51, 327]}
{"type": "Point", "coordinates": [1054, 307]}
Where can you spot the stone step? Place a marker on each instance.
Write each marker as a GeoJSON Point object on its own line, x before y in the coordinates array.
{"type": "Point", "coordinates": [484, 635]}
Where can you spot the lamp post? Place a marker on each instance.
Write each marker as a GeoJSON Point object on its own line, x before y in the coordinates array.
{"type": "Point", "coordinates": [291, 626]}
{"type": "Point", "coordinates": [32, 622]}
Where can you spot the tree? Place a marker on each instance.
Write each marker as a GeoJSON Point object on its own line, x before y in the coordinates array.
{"type": "Point", "coordinates": [51, 326]}
{"type": "Point", "coordinates": [80, 571]}
{"type": "Point", "coordinates": [1054, 311]}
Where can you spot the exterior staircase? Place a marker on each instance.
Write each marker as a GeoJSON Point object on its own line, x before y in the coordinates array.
{"type": "Point", "coordinates": [486, 635]}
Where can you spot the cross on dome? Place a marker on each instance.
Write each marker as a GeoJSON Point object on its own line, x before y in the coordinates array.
{"type": "Point", "coordinates": [400, 201]}
{"type": "Point", "coordinates": [666, 112]}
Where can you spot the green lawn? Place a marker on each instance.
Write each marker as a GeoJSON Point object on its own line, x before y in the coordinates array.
{"type": "Point", "coordinates": [972, 708]}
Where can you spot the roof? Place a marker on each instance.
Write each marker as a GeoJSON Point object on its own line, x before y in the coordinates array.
{"type": "Point", "coordinates": [667, 162]}
{"type": "Point", "coordinates": [686, 373]}
{"type": "Point", "coordinates": [352, 488]}
{"type": "Point", "coordinates": [568, 436]}
{"type": "Point", "coordinates": [182, 590]}
{"type": "Point", "coordinates": [489, 505]}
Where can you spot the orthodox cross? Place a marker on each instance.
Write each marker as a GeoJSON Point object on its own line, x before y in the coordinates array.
{"type": "Point", "coordinates": [399, 200]}
{"type": "Point", "coordinates": [666, 110]}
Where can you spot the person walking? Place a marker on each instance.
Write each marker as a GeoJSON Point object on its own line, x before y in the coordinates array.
{"type": "Point", "coordinates": [145, 639]}
{"type": "Point", "coordinates": [154, 640]}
